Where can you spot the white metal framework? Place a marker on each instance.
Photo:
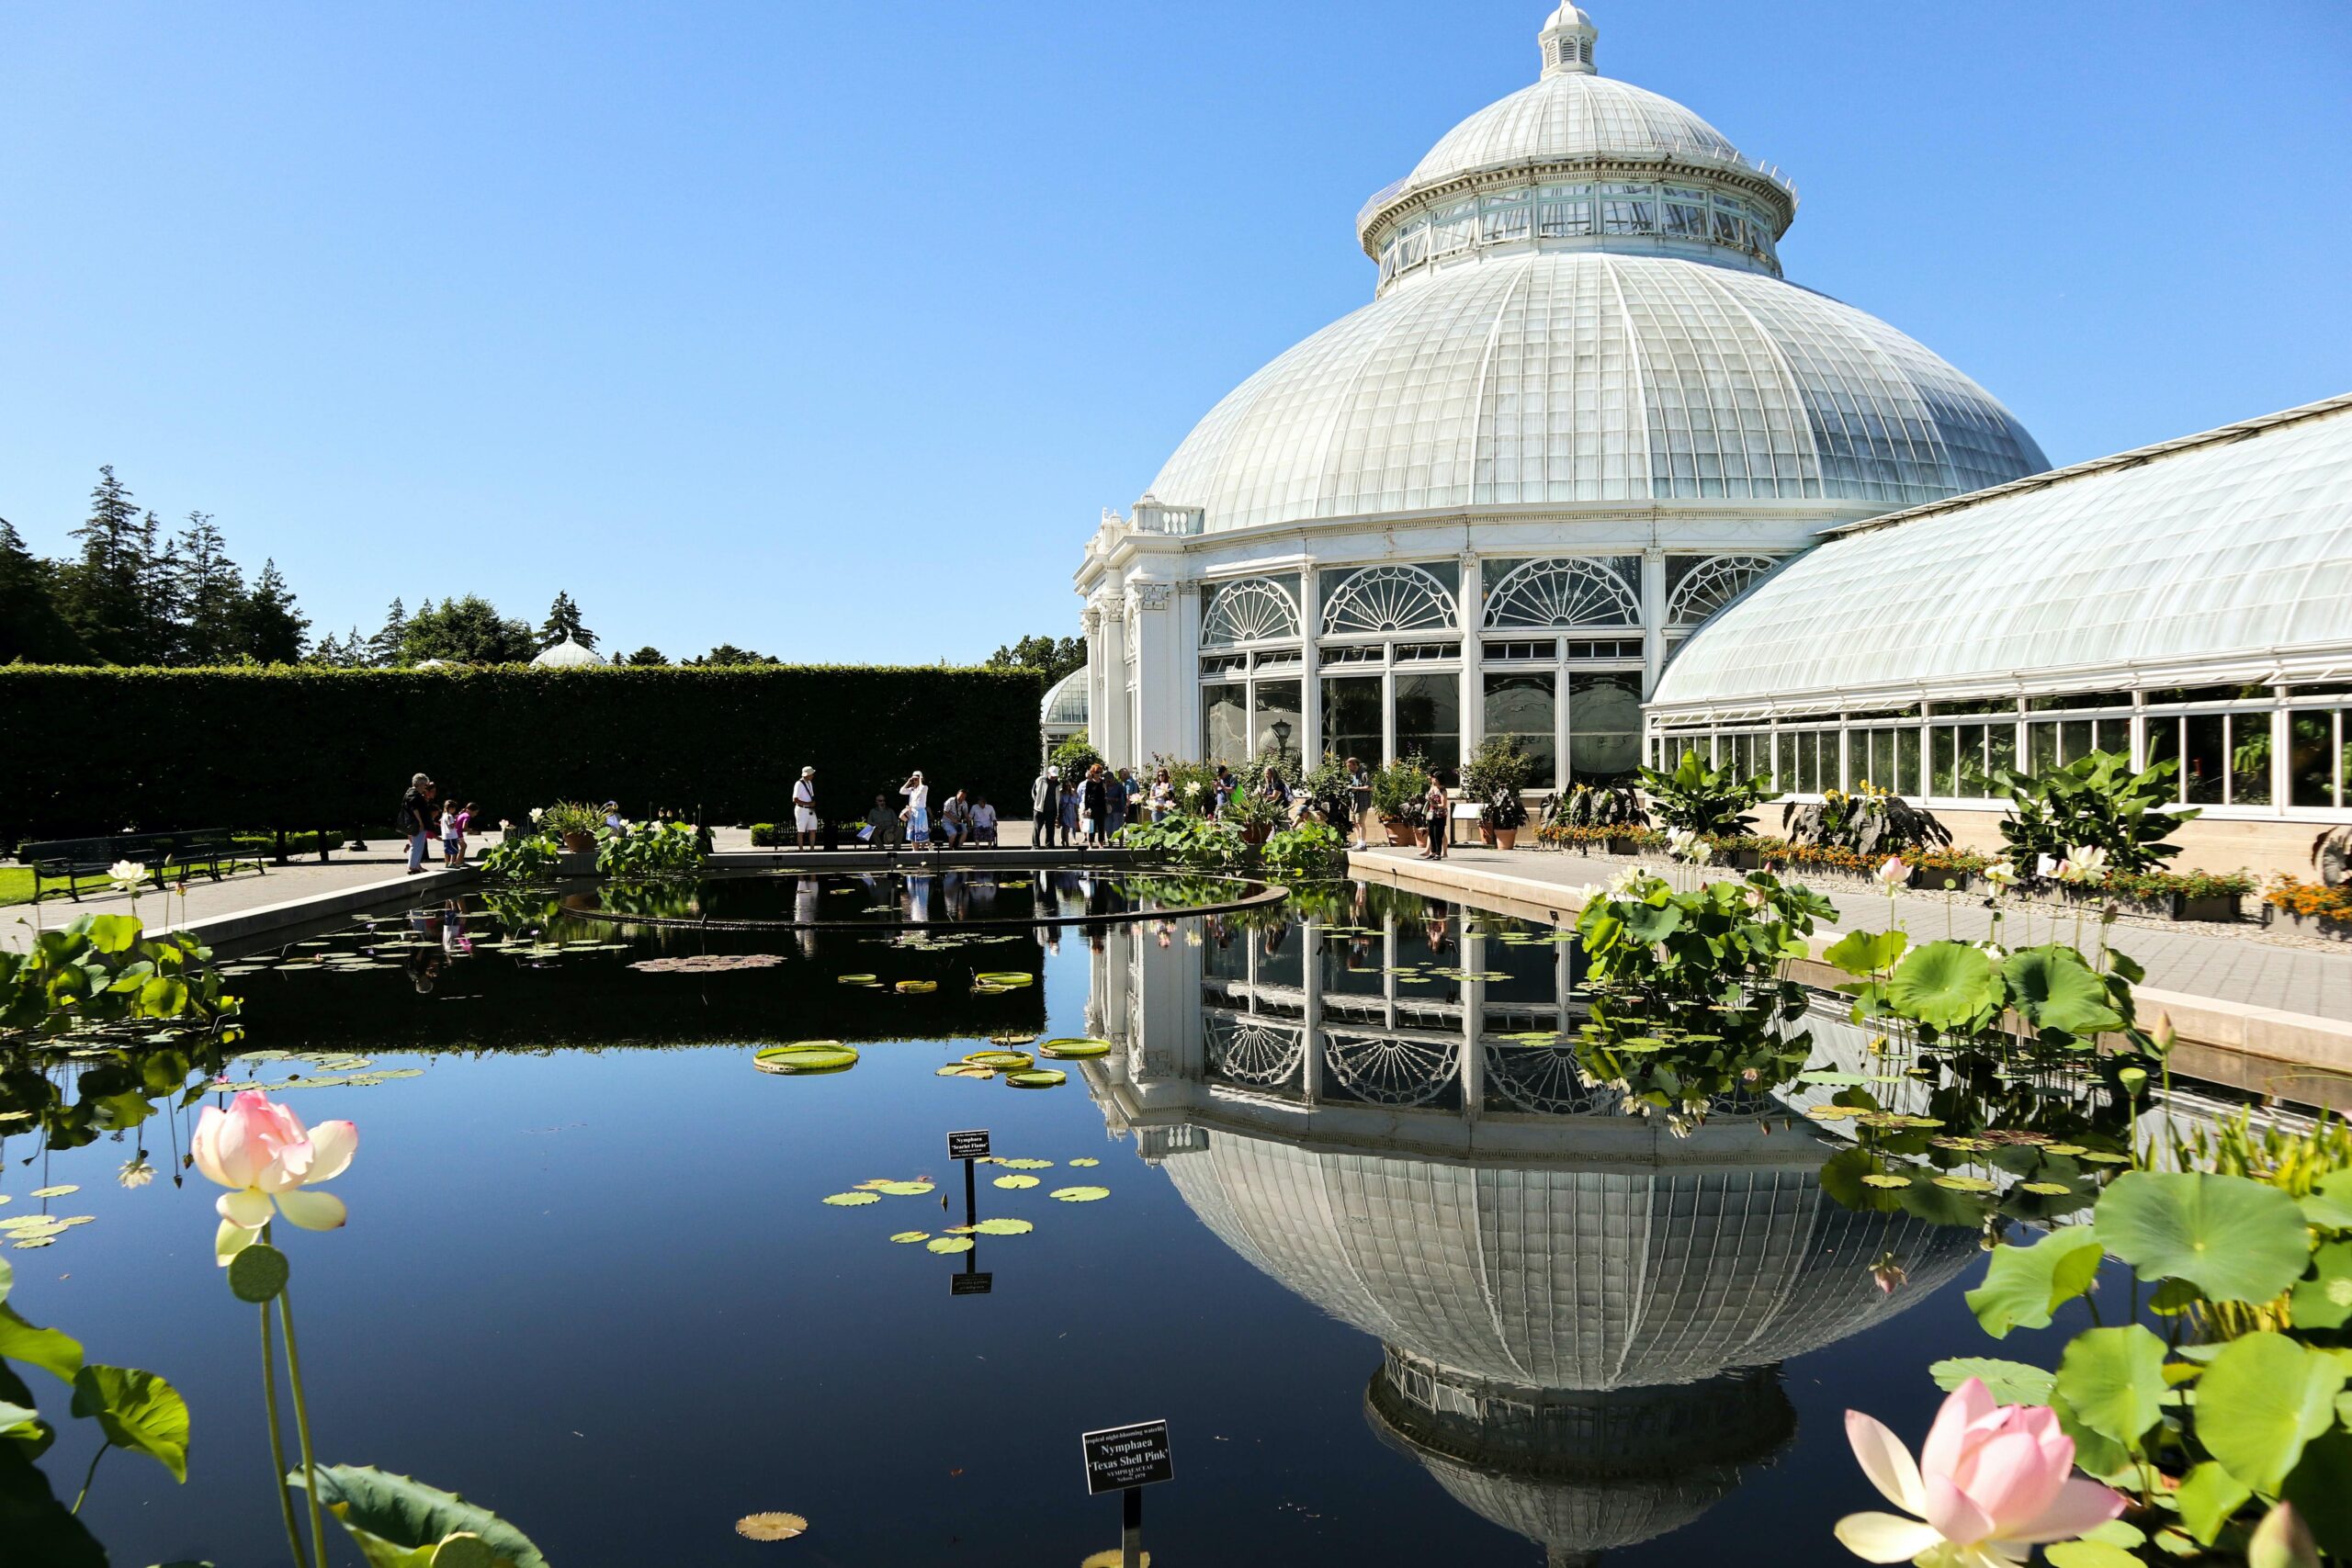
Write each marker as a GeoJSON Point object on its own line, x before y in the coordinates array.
{"type": "Point", "coordinates": [1383, 599]}
{"type": "Point", "coordinates": [1563, 593]}
{"type": "Point", "coordinates": [1711, 584]}
{"type": "Point", "coordinates": [1255, 609]}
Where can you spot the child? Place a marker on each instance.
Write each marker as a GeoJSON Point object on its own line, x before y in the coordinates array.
{"type": "Point", "coordinates": [453, 843]}
{"type": "Point", "coordinates": [465, 825]}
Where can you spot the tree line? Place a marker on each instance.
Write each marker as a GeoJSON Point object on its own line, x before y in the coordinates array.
{"type": "Point", "coordinates": [132, 594]}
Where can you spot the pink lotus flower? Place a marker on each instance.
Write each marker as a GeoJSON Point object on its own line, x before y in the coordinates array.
{"type": "Point", "coordinates": [1992, 1482]}
{"type": "Point", "coordinates": [1893, 873]}
{"type": "Point", "coordinates": [267, 1159]}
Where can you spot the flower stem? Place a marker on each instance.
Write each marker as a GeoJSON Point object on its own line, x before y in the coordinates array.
{"type": "Point", "coordinates": [88, 1474]}
{"type": "Point", "coordinates": [276, 1443]}
{"type": "Point", "coordinates": [303, 1428]}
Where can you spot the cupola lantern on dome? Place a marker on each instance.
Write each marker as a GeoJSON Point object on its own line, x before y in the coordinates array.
{"type": "Point", "coordinates": [1566, 41]}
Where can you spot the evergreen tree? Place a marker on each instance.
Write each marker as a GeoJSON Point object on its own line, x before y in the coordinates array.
{"type": "Point", "coordinates": [468, 631]}
{"type": "Point", "coordinates": [385, 648]}
{"type": "Point", "coordinates": [270, 629]}
{"type": "Point", "coordinates": [727, 653]}
{"type": "Point", "coordinates": [563, 621]}
{"type": "Point", "coordinates": [207, 593]}
{"type": "Point", "coordinates": [340, 652]}
{"type": "Point", "coordinates": [648, 655]}
{"type": "Point", "coordinates": [1056, 656]}
{"type": "Point", "coordinates": [107, 596]}
{"type": "Point", "coordinates": [31, 626]}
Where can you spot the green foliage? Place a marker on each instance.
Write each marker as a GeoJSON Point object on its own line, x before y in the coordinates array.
{"type": "Point", "coordinates": [1400, 789]}
{"type": "Point", "coordinates": [1873, 823]}
{"type": "Point", "coordinates": [1722, 943]}
{"type": "Point", "coordinates": [563, 621]}
{"type": "Point", "coordinates": [1202, 841]}
{"type": "Point", "coordinates": [102, 969]}
{"type": "Point", "coordinates": [393, 1518]}
{"type": "Point", "coordinates": [652, 849]}
{"type": "Point", "coordinates": [2260, 1401]}
{"type": "Point", "coordinates": [137, 1411]}
{"type": "Point", "coordinates": [2010, 1382]}
{"type": "Point", "coordinates": [313, 747]}
{"type": "Point", "coordinates": [1597, 805]}
{"type": "Point", "coordinates": [1073, 756]}
{"type": "Point", "coordinates": [1709, 801]}
{"type": "Point", "coordinates": [2023, 1285]}
{"type": "Point", "coordinates": [522, 857]}
{"type": "Point", "coordinates": [2097, 802]}
{"type": "Point", "coordinates": [1311, 848]}
{"type": "Point", "coordinates": [467, 630]}
{"type": "Point", "coordinates": [1494, 776]}
{"type": "Point", "coordinates": [2234, 1239]}
{"type": "Point", "coordinates": [1053, 656]}
{"type": "Point", "coordinates": [2110, 1385]}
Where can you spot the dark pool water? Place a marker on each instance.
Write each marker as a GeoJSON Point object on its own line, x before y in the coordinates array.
{"type": "Point", "coordinates": [1454, 1313]}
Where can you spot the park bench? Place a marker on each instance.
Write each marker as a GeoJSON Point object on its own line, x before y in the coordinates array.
{"type": "Point", "coordinates": [75, 860]}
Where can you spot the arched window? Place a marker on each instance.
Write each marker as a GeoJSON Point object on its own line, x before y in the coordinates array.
{"type": "Point", "coordinates": [1711, 584]}
{"type": "Point", "coordinates": [1389, 599]}
{"type": "Point", "coordinates": [1567, 592]}
{"type": "Point", "coordinates": [1252, 610]}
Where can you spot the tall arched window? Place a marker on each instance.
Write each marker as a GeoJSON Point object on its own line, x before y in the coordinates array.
{"type": "Point", "coordinates": [1711, 584]}
{"type": "Point", "coordinates": [1255, 609]}
{"type": "Point", "coordinates": [1382, 599]}
{"type": "Point", "coordinates": [1564, 593]}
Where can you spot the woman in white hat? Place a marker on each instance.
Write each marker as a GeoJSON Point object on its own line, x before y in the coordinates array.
{"type": "Point", "coordinates": [917, 815]}
{"type": "Point", "coordinates": [805, 825]}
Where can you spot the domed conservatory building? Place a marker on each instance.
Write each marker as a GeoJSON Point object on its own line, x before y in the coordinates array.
{"type": "Point", "coordinates": [1582, 411]}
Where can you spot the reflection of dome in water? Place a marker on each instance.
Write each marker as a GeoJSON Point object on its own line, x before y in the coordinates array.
{"type": "Point", "coordinates": [1657, 1273]}
{"type": "Point", "coordinates": [1582, 1472]}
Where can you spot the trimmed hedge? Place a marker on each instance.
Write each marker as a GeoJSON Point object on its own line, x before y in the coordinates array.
{"type": "Point", "coordinates": [92, 751]}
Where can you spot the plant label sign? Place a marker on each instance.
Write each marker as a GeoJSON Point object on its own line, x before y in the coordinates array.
{"type": "Point", "coordinates": [1121, 1457]}
{"type": "Point", "coordinates": [973, 1144]}
{"type": "Point", "coordinates": [971, 1283]}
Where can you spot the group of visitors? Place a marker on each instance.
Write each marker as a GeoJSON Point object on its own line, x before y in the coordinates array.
{"type": "Point", "coordinates": [965, 821]}
{"type": "Point", "coordinates": [425, 816]}
{"type": "Point", "coordinates": [1091, 808]}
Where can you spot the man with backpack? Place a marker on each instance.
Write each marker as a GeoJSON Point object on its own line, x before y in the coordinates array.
{"type": "Point", "coordinates": [418, 819]}
{"type": "Point", "coordinates": [1046, 808]}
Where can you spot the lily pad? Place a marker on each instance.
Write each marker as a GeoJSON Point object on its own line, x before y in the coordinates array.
{"type": "Point", "coordinates": [1075, 1049]}
{"type": "Point", "coordinates": [948, 1244]}
{"type": "Point", "coordinates": [1016, 1182]}
{"type": "Point", "coordinates": [1004, 1227]}
{"type": "Point", "coordinates": [2234, 1238]}
{"type": "Point", "coordinates": [1963, 1183]}
{"type": "Point", "coordinates": [2045, 1189]}
{"type": "Point", "coordinates": [917, 988]}
{"type": "Point", "coordinates": [853, 1199]}
{"type": "Point", "coordinates": [963, 1070]}
{"type": "Point", "coordinates": [1005, 978]}
{"type": "Point", "coordinates": [60, 1190]}
{"type": "Point", "coordinates": [1002, 1061]}
{"type": "Point", "coordinates": [1037, 1078]}
{"type": "Point", "coordinates": [1879, 1179]}
{"type": "Point", "coordinates": [1026, 1164]}
{"type": "Point", "coordinates": [806, 1056]}
{"type": "Point", "coordinates": [905, 1188]}
{"type": "Point", "coordinates": [1081, 1194]}
{"type": "Point", "coordinates": [1086, 1160]}
{"type": "Point", "coordinates": [905, 1237]}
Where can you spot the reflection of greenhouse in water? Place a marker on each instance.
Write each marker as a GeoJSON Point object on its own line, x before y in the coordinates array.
{"type": "Point", "coordinates": [1582, 1316]}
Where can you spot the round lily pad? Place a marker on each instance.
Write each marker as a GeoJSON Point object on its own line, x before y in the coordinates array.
{"type": "Point", "coordinates": [948, 1244]}
{"type": "Point", "coordinates": [1005, 978]}
{"type": "Point", "coordinates": [905, 1237]}
{"type": "Point", "coordinates": [1026, 1164]}
{"type": "Point", "coordinates": [1004, 1227]}
{"type": "Point", "coordinates": [1037, 1078]}
{"type": "Point", "coordinates": [1075, 1049]}
{"type": "Point", "coordinates": [1002, 1061]}
{"type": "Point", "coordinates": [853, 1199]}
{"type": "Point", "coordinates": [1016, 1181]}
{"type": "Point", "coordinates": [1964, 1183]}
{"type": "Point", "coordinates": [964, 1070]}
{"type": "Point", "coordinates": [855, 979]}
{"type": "Point", "coordinates": [32, 1241]}
{"type": "Point", "coordinates": [1081, 1194]}
{"type": "Point", "coordinates": [1879, 1180]}
{"type": "Point", "coordinates": [2045, 1189]}
{"type": "Point", "coordinates": [1086, 1161]}
{"type": "Point", "coordinates": [58, 1191]}
{"type": "Point", "coordinates": [904, 1188]}
{"type": "Point", "coordinates": [917, 988]}
{"type": "Point", "coordinates": [806, 1056]}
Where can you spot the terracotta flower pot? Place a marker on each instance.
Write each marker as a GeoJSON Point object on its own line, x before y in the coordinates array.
{"type": "Point", "coordinates": [580, 844]}
{"type": "Point", "coordinates": [1402, 835]}
{"type": "Point", "coordinates": [1504, 837]}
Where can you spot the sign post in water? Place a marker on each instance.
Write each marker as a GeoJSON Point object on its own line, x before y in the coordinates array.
{"type": "Point", "coordinates": [969, 1146]}
{"type": "Point", "coordinates": [1125, 1460]}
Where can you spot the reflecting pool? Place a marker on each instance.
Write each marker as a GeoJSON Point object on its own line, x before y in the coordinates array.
{"type": "Point", "coordinates": [1407, 1287]}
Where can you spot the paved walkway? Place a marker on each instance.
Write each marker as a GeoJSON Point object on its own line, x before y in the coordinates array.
{"type": "Point", "coordinates": [2231, 964]}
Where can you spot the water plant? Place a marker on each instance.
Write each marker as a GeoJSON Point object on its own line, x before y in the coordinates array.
{"type": "Point", "coordinates": [1696, 798]}
{"type": "Point", "coordinates": [2095, 802]}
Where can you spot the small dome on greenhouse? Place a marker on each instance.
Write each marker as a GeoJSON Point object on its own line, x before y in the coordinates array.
{"type": "Point", "coordinates": [2225, 556]}
{"type": "Point", "coordinates": [1064, 704]}
{"type": "Point", "coordinates": [564, 655]}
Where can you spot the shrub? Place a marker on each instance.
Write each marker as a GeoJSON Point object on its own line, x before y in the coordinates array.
{"type": "Point", "coordinates": [1187, 840]}
{"type": "Point", "coordinates": [311, 747]}
{"type": "Point", "coordinates": [2095, 802]}
{"type": "Point", "coordinates": [1597, 805]}
{"type": "Point", "coordinates": [1074, 755]}
{"type": "Point", "coordinates": [768, 836]}
{"type": "Point", "coordinates": [1326, 789]}
{"type": "Point", "coordinates": [522, 857]}
{"type": "Point", "coordinates": [1193, 785]}
{"type": "Point", "coordinates": [1397, 791]}
{"type": "Point", "coordinates": [1722, 944]}
{"type": "Point", "coordinates": [1696, 798]}
{"type": "Point", "coordinates": [1311, 848]}
{"type": "Point", "coordinates": [1493, 777]}
{"type": "Point", "coordinates": [568, 816]}
{"type": "Point", "coordinates": [1870, 822]}
{"type": "Point", "coordinates": [652, 849]}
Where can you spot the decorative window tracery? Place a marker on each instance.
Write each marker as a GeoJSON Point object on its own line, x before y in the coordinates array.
{"type": "Point", "coordinates": [1248, 1051]}
{"type": "Point", "coordinates": [1711, 584]}
{"type": "Point", "coordinates": [1385, 1070]}
{"type": "Point", "coordinates": [1563, 593]}
{"type": "Point", "coordinates": [1252, 610]}
{"type": "Point", "coordinates": [1389, 599]}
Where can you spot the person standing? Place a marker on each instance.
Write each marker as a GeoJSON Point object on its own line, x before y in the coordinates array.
{"type": "Point", "coordinates": [1359, 797]}
{"type": "Point", "coordinates": [1045, 807]}
{"type": "Point", "coordinates": [453, 835]}
{"type": "Point", "coordinates": [1094, 805]}
{"type": "Point", "coordinates": [417, 820]}
{"type": "Point", "coordinates": [1116, 801]}
{"type": "Point", "coordinates": [1440, 811]}
{"type": "Point", "coordinates": [805, 823]}
{"type": "Point", "coordinates": [1073, 803]}
{"type": "Point", "coordinates": [1163, 796]}
{"type": "Point", "coordinates": [917, 815]}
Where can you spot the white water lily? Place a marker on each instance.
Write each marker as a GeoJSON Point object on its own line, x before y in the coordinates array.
{"type": "Point", "coordinates": [1993, 950]}
{"type": "Point", "coordinates": [135, 1172]}
{"type": "Point", "coordinates": [2087, 861]}
{"type": "Point", "coordinates": [1893, 873]}
{"type": "Point", "coordinates": [128, 873]}
{"type": "Point", "coordinates": [2001, 873]}
{"type": "Point", "coordinates": [537, 812]}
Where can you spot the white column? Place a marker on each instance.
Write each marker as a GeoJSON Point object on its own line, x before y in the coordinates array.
{"type": "Point", "coordinates": [1473, 1020]}
{"type": "Point", "coordinates": [1098, 677]}
{"type": "Point", "coordinates": [1472, 597]}
{"type": "Point", "coordinates": [1107, 721]}
{"type": "Point", "coordinates": [1161, 671]}
{"type": "Point", "coordinates": [1311, 744]}
{"type": "Point", "coordinates": [1310, 1050]}
{"type": "Point", "coordinates": [1652, 618]}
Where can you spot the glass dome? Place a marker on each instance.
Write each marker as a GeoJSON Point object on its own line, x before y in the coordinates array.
{"type": "Point", "coordinates": [1064, 704]}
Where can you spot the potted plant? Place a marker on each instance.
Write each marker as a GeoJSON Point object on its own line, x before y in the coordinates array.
{"type": "Point", "coordinates": [574, 822]}
{"type": "Point", "coordinates": [1397, 789]}
{"type": "Point", "coordinates": [1494, 777]}
{"type": "Point", "coordinates": [1256, 816]}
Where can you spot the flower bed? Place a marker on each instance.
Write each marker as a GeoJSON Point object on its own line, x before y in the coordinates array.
{"type": "Point", "coordinates": [2312, 908]}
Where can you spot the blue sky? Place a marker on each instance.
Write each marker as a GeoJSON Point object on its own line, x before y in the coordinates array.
{"type": "Point", "coordinates": [829, 330]}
